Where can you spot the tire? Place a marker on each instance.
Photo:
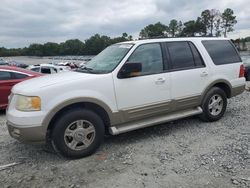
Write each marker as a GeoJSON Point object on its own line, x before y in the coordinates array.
{"type": "Point", "coordinates": [248, 76]}
{"type": "Point", "coordinates": [77, 133]}
{"type": "Point", "coordinates": [213, 110]}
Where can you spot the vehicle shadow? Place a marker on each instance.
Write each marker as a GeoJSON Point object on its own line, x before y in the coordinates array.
{"type": "Point", "coordinates": [160, 130]}
{"type": "Point", "coordinates": [42, 153]}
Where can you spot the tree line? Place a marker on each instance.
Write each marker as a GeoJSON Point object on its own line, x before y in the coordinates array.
{"type": "Point", "coordinates": [91, 46]}
{"type": "Point", "coordinates": [209, 23]}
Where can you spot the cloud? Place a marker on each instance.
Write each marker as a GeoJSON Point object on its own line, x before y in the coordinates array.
{"type": "Point", "coordinates": [23, 22]}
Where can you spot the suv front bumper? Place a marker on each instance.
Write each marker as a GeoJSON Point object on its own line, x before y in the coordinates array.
{"type": "Point", "coordinates": [34, 134]}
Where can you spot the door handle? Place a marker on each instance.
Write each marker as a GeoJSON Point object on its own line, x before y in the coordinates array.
{"type": "Point", "coordinates": [160, 81]}
{"type": "Point", "coordinates": [203, 74]}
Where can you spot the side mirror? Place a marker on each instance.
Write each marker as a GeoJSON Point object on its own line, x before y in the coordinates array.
{"type": "Point", "coordinates": [128, 69]}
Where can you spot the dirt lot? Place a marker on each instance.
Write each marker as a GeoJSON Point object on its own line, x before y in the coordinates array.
{"type": "Point", "coordinates": [184, 153]}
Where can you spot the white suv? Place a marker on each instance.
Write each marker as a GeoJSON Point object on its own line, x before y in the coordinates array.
{"type": "Point", "coordinates": [128, 86]}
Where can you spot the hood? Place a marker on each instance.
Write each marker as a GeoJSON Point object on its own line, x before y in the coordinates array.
{"type": "Point", "coordinates": [49, 80]}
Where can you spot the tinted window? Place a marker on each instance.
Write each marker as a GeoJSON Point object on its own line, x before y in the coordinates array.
{"type": "Point", "coordinates": [197, 57]}
{"type": "Point", "coordinates": [180, 55]}
{"type": "Point", "coordinates": [35, 69]}
{"type": "Point", "coordinates": [45, 70]}
{"type": "Point", "coordinates": [150, 56]}
{"type": "Point", "coordinates": [5, 75]}
{"type": "Point", "coordinates": [221, 51]}
{"type": "Point", "coordinates": [19, 76]}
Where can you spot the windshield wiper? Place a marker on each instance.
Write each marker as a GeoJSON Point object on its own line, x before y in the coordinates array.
{"type": "Point", "coordinates": [85, 69]}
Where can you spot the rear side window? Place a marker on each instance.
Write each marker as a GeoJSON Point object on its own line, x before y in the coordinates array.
{"type": "Point", "coordinates": [5, 75]}
{"type": "Point", "coordinates": [221, 51]}
{"type": "Point", "coordinates": [180, 55]}
{"type": "Point", "coordinates": [19, 76]}
{"type": "Point", "coordinates": [45, 70]}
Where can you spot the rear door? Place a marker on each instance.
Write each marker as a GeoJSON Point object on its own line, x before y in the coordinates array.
{"type": "Point", "coordinates": [189, 74]}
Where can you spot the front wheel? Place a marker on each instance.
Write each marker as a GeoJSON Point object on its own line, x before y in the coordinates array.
{"type": "Point", "coordinates": [77, 133]}
{"type": "Point", "coordinates": [214, 105]}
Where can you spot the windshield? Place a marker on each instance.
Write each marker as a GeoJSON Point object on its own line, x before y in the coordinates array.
{"type": "Point", "coordinates": [107, 60]}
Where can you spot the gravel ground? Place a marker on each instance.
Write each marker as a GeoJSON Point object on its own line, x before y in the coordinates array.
{"type": "Point", "coordinates": [183, 153]}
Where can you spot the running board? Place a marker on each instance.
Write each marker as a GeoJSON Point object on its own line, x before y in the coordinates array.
{"type": "Point", "coordinates": [153, 121]}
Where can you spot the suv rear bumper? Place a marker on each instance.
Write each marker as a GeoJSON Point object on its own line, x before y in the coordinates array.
{"type": "Point", "coordinates": [238, 90]}
{"type": "Point", "coordinates": [34, 134]}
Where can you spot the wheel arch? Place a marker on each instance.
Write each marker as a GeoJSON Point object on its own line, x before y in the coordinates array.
{"type": "Point", "coordinates": [223, 84]}
{"type": "Point", "coordinates": [97, 106]}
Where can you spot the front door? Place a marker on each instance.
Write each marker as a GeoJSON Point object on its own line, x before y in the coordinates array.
{"type": "Point", "coordinates": [148, 93]}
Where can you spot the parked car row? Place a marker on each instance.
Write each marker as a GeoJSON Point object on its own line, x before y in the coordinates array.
{"type": "Point", "coordinates": [48, 68]}
{"type": "Point", "coordinates": [13, 63]}
{"type": "Point", "coordinates": [12, 72]}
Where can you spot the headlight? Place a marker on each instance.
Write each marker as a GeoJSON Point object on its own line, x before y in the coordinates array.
{"type": "Point", "coordinates": [25, 103]}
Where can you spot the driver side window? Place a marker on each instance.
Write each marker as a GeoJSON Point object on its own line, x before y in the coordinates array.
{"type": "Point", "coordinates": [150, 56]}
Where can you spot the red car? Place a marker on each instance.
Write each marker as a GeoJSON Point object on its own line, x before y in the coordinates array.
{"type": "Point", "coordinates": [9, 76]}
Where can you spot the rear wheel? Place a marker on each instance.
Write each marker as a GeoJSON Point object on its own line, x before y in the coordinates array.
{"type": "Point", "coordinates": [214, 105]}
{"type": "Point", "coordinates": [78, 133]}
{"type": "Point", "coordinates": [248, 76]}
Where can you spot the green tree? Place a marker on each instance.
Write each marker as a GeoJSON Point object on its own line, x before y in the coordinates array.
{"type": "Point", "coordinates": [200, 28]}
{"type": "Point", "coordinates": [211, 21]}
{"type": "Point", "coordinates": [205, 15]}
{"type": "Point", "coordinates": [189, 29]}
{"type": "Point", "coordinates": [228, 21]}
{"type": "Point", "coordinates": [153, 31]}
{"type": "Point", "coordinates": [96, 44]}
{"type": "Point", "coordinates": [193, 28]}
{"type": "Point", "coordinates": [35, 50]}
{"type": "Point", "coordinates": [72, 47]}
{"type": "Point", "coordinates": [124, 35]}
{"type": "Point", "coordinates": [174, 28]}
{"type": "Point", "coordinates": [51, 49]}
{"type": "Point", "coordinates": [217, 26]}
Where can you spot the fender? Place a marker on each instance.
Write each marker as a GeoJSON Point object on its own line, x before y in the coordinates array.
{"type": "Point", "coordinates": [219, 81]}
{"type": "Point", "coordinates": [113, 116]}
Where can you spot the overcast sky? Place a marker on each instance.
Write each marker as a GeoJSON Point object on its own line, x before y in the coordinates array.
{"type": "Point", "coordinates": [23, 22]}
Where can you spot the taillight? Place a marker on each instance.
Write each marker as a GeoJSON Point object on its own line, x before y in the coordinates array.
{"type": "Point", "coordinates": [242, 71]}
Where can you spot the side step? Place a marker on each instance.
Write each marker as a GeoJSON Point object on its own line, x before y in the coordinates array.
{"type": "Point", "coordinates": [153, 121]}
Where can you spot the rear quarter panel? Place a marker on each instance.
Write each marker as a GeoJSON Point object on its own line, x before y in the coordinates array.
{"type": "Point", "coordinates": [228, 72]}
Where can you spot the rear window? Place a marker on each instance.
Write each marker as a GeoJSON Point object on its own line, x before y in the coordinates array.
{"type": "Point", "coordinates": [221, 51]}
